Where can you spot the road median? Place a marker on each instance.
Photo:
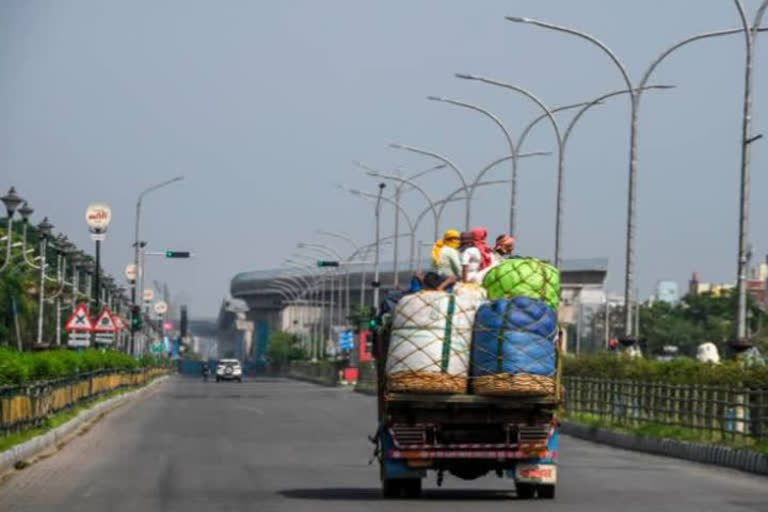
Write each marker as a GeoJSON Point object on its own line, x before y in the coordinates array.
{"type": "Point", "coordinates": [20, 454]}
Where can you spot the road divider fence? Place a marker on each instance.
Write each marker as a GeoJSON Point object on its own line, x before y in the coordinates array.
{"type": "Point", "coordinates": [28, 405]}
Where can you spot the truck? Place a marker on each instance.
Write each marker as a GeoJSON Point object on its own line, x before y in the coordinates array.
{"type": "Point", "coordinates": [465, 435]}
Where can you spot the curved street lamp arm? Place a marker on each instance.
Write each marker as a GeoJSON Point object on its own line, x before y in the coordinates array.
{"type": "Point", "coordinates": [528, 94]}
{"type": "Point", "coordinates": [159, 185]}
{"type": "Point", "coordinates": [386, 200]}
{"type": "Point", "coordinates": [648, 72]}
{"type": "Point", "coordinates": [527, 130]}
{"type": "Point", "coordinates": [598, 101]}
{"type": "Point", "coordinates": [583, 35]}
{"type": "Point", "coordinates": [328, 250]}
{"type": "Point", "coordinates": [408, 182]}
{"type": "Point", "coordinates": [433, 155]}
{"type": "Point", "coordinates": [340, 236]}
{"type": "Point", "coordinates": [483, 111]}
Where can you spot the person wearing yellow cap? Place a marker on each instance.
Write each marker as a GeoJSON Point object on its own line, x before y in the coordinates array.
{"type": "Point", "coordinates": [445, 255]}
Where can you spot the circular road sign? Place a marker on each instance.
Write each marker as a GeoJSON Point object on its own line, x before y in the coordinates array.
{"type": "Point", "coordinates": [130, 272]}
{"type": "Point", "coordinates": [148, 295]}
{"type": "Point", "coordinates": [161, 307]}
{"type": "Point", "coordinates": [98, 216]}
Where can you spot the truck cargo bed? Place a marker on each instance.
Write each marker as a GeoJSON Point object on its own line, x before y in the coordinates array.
{"type": "Point", "coordinates": [511, 401]}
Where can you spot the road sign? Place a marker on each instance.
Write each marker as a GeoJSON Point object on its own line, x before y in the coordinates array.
{"type": "Point", "coordinates": [105, 322]}
{"type": "Point", "coordinates": [98, 237]}
{"type": "Point", "coordinates": [130, 272]}
{"type": "Point", "coordinates": [79, 320]}
{"type": "Point", "coordinates": [98, 216]}
{"type": "Point", "coordinates": [119, 322]}
{"type": "Point", "coordinates": [79, 339]}
{"type": "Point", "coordinates": [346, 340]}
{"type": "Point", "coordinates": [157, 348]}
{"type": "Point", "coordinates": [161, 307]}
{"type": "Point", "coordinates": [149, 294]}
{"type": "Point", "coordinates": [104, 338]}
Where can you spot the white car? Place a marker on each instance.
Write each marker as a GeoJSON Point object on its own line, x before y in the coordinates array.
{"type": "Point", "coordinates": [229, 369]}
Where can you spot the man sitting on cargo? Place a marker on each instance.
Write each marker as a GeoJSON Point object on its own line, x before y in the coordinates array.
{"type": "Point", "coordinates": [431, 281]}
{"type": "Point", "coordinates": [505, 246]}
{"type": "Point", "coordinates": [445, 255]}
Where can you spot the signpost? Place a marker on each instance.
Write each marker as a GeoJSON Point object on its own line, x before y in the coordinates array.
{"type": "Point", "coordinates": [161, 307]}
{"type": "Point", "coordinates": [98, 216]}
{"type": "Point", "coordinates": [130, 273]}
{"type": "Point", "coordinates": [79, 327]}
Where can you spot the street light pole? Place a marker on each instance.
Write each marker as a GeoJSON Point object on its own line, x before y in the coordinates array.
{"type": "Point", "coordinates": [137, 248]}
{"type": "Point", "coordinates": [635, 94]}
{"type": "Point", "coordinates": [746, 141]}
{"type": "Point", "coordinates": [45, 228]}
{"type": "Point", "coordinates": [510, 144]}
{"type": "Point", "coordinates": [376, 276]}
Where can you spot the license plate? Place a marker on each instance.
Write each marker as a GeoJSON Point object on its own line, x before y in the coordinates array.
{"type": "Point", "coordinates": [536, 473]}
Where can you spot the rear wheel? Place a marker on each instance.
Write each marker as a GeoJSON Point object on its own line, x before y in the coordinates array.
{"type": "Point", "coordinates": [525, 491]}
{"type": "Point", "coordinates": [546, 492]}
{"type": "Point", "coordinates": [412, 488]}
{"type": "Point", "coordinates": [409, 488]}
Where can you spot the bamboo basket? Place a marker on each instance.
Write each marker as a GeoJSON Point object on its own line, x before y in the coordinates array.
{"type": "Point", "coordinates": [426, 382]}
{"type": "Point", "coordinates": [503, 384]}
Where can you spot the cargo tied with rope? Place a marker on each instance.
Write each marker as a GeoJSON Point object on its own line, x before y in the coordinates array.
{"type": "Point", "coordinates": [514, 348]}
{"type": "Point", "coordinates": [430, 342]}
{"type": "Point", "coordinates": [524, 277]}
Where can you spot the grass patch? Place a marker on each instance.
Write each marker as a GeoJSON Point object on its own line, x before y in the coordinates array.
{"type": "Point", "coordinates": [57, 419]}
{"type": "Point", "coordinates": [677, 433]}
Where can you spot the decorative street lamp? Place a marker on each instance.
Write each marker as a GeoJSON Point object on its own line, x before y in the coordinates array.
{"type": "Point", "coordinates": [11, 201]}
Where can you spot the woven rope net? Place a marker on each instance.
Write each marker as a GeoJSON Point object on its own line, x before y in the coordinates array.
{"type": "Point", "coordinates": [524, 277]}
{"type": "Point", "coordinates": [430, 341]}
{"type": "Point", "coordinates": [513, 347]}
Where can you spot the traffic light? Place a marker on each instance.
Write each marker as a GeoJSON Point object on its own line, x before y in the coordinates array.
{"type": "Point", "coordinates": [177, 254]}
{"type": "Point", "coordinates": [324, 263]}
{"type": "Point", "coordinates": [136, 318]}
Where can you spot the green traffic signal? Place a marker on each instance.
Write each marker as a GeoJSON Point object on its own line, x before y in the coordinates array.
{"type": "Point", "coordinates": [177, 254]}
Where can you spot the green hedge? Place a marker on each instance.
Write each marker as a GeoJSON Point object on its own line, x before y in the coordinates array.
{"type": "Point", "coordinates": [616, 366]}
{"type": "Point", "coordinates": [21, 367]}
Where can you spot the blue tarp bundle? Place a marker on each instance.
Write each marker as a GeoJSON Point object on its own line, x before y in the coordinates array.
{"type": "Point", "coordinates": [514, 336]}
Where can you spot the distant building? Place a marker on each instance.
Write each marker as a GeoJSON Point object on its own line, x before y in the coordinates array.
{"type": "Point", "coordinates": [667, 291]}
{"type": "Point", "coordinates": [696, 287]}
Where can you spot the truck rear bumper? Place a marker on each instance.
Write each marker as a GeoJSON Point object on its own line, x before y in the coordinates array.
{"type": "Point", "coordinates": [471, 454]}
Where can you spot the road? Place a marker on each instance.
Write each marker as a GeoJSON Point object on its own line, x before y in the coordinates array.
{"type": "Point", "coordinates": [280, 445]}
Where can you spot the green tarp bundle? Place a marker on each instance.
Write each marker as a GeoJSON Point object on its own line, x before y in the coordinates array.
{"type": "Point", "coordinates": [524, 277]}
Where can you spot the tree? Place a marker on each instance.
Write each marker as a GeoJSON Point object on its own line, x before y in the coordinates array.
{"type": "Point", "coordinates": [359, 315]}
{"type": "Point", "coordinates": [283, 348]}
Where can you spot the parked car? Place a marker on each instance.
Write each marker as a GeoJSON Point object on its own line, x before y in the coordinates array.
{"type": "Point", "coordinates": [229, 369]}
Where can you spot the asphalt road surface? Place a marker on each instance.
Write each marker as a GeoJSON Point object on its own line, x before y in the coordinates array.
{"type": "Point", "coordinates": [280, 445]}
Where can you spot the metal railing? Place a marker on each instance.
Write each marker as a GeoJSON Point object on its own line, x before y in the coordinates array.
{"type": "Point", "coordinates": [719, 414]}
{"type": "Point", "coordinates": [29, 405]}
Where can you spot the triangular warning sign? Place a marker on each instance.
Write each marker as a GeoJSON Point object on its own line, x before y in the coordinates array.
{"type": "Point", "coordinates": [79, 320]}
{"type": "Point", "coordinates": [119, 322]}
{"type": "Point", "coordinates": [105, 322]}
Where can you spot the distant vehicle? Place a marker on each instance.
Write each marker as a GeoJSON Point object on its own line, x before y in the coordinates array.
{"type": "Point", "coordinates": [229, 369]}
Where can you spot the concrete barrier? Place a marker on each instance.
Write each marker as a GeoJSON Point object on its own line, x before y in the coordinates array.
{"type": "Point", "coordinates": [735, 458]}
{"type": "Point", "coordinates": [325, 373]}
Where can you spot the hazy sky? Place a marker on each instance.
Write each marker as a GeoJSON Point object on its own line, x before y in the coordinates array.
{"type": "Point", "coordinates": [263, 106]}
